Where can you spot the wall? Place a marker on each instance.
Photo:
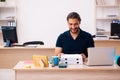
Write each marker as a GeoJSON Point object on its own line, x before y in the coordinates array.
{"type": "Point", "coordinates": [46, 19]}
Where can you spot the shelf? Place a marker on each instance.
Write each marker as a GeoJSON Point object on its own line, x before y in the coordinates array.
{"type": "Point", "coordinates": [106, 11]}
{"type": "Point", "coordinates": [7, 14]}
{"type": "Point", "coordinates": [107, 2]}
{"type": "Point", "coordinates": [104, 31]}
{"type": "Point", "coordinates": [5, 19]}
{"type": "Point", "coordinates": [107, 6]}
{"type": "Point", "coordinates": [107, 18]}
{"type": "Point", "coordinates": [7, 6]}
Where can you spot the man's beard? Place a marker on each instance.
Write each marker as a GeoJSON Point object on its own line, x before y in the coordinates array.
{"type": "Point", "coordinates": [75, 31]}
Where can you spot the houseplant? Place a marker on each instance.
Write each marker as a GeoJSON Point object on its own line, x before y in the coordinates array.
{"type": "Point", "coordinates": [2, 0]}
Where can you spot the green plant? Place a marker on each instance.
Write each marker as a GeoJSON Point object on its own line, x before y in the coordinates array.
{"type": "Point", "coordinates": [2, 0]}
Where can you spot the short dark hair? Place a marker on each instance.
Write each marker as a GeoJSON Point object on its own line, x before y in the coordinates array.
{"type": "Point", "coordinates": [74, 15]}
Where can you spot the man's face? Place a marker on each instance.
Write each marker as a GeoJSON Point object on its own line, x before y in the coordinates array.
{"type": "Point", "coordinates": [73, 25]}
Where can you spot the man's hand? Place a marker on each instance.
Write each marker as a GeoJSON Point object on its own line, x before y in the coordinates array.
{"type": "Point", "coordinates": [59, 55]}
{"type": "Point", "coordinates": [84, 57]}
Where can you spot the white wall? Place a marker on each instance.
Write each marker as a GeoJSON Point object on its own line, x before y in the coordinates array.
{"type": "Point", "coordinates": [46, 19]}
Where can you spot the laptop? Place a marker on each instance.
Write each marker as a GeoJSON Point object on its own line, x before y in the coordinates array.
{"type": "Point", "coordinates": [103, 56]}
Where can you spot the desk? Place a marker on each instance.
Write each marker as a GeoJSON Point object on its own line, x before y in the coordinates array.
{"type": "Point", "coordinates": [109, 43]}
{"type": "Point", "coordinates": [9, 56]}
{"type": "Point", "coordinates": [73, 72]}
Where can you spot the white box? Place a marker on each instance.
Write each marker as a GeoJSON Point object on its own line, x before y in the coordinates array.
{"type": "Point", "coordinates": [71, 59]}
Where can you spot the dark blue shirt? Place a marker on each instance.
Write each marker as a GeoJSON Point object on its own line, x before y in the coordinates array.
{"type": "Point", "coordinates": [77, 46]}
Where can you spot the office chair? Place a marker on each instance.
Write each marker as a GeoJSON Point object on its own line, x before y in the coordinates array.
{"type": "Point", "coordinates": [33, 43]}
{"type": "Point", "coordinates": [93, 36]}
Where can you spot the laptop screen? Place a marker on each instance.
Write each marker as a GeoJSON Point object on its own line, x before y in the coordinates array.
{"type": "Point", "coordinates": [101, 56]}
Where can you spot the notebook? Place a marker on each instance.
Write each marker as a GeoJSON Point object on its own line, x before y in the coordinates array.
{"type": "Point", "coordinates": [101, 56]}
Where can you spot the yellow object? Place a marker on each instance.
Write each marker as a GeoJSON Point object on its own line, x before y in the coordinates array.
{"type": "Point", "coordinates": [40, 60]}
{"type": "Point", "coordinates": [27, 66]}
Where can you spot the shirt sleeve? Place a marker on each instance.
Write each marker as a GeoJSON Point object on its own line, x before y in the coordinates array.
{"type": "Point", "coordinates": [59, 41]}
{"type": "Point", "coordinates": [91, 42]}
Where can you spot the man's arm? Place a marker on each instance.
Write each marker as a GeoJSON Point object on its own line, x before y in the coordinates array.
{"type": "Point", "coordinates": [58, 50]}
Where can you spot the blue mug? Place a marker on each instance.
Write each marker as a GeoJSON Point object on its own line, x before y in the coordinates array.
{"type": "Point", "coordinates": [55, 60]}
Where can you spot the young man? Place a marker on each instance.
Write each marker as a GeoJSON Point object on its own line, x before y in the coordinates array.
{"type": "Point", "coordinates": [75, 40]}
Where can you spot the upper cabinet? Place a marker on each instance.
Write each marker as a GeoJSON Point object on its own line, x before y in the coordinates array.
{"type": "Point", "coordinates": [106, 12]}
